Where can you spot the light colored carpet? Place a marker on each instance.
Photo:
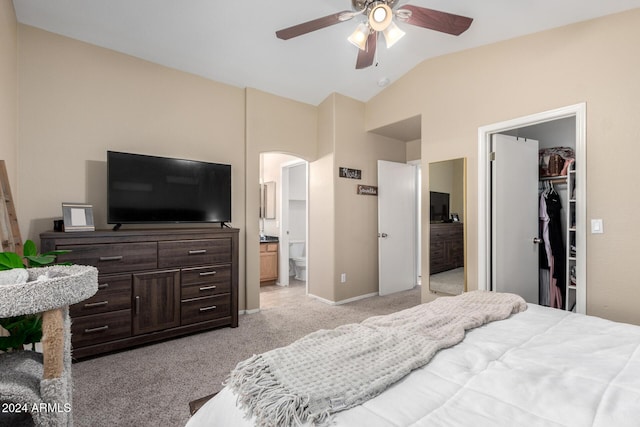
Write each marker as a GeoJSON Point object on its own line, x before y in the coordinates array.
{"type": "Point", "coordinates": [448, 282]}
{"type": "Point", "coordinates": [153, 385]}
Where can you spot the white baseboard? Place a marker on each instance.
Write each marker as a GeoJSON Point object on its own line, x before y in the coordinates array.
{"type": "Point", "coordinates": [324, 300]}
{"type": "Point", "coordinates": [344, 301]}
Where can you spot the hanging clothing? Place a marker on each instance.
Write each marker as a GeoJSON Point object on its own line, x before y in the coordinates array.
{"type": "Point", "coordinates": [556, 241]}
{"type": "Point", "coordinates": [554, 161]}
{"type": "Point", "coordinates": [552, 263]}
{"type": "Point", "coordinates": [543, 250]}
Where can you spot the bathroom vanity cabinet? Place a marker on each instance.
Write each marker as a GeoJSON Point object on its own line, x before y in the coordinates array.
{"type": "Point", "coordinates": [268, 263]}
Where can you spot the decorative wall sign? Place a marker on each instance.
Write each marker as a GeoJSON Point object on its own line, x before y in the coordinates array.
{"type": "Point", "coordinates": [368, 190]}
{"type": "Point", "coordinates": [350, 173]}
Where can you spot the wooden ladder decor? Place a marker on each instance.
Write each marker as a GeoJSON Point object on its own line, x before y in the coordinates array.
{"type": "Point", "coordinates": [9, 231]}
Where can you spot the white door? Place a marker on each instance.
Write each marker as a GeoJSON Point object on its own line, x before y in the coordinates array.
{"type": "Point", "coordinates": [514, 216]}
{"type": "Point", "coordinates": [396, 227]}
{"type": "Point", "coordinates": [283, 247]}
{"type": "Point", "coordinates": [293, 213]}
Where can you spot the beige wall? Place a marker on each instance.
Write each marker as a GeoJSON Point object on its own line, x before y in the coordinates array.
{"type": "Point", "coordinates": [321, 257]}
{"type": "Point", "coordinates": [347, 240]}
{"type": "Point", "coordinates": [9, 91]}
{"type": "Point", "coordinates": [593, 62]}
{"type": "Point", "coordinates": [77, 101]}
{"type": "Point", "coordinates": [356, 215]}
{"type": "Point", "coordinates": [273, 124]}
{"type": "Point", "coordinates": [414, 150]}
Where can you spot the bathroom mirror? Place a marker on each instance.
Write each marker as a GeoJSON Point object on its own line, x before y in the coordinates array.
{"type": "Point", "coordinates": [447, 237]}
{"type": "Point", "coordinates": [268, 200]}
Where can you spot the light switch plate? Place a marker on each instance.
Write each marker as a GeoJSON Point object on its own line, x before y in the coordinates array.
{"type": "Point", "coordinates": [597, 226]}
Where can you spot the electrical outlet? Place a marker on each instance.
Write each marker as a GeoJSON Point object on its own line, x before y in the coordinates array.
{"type": "Point", "coordinates": [343, 277]}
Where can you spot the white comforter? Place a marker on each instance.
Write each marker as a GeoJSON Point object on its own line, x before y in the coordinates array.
{"type": "Point", "coordinates": [541, 367]}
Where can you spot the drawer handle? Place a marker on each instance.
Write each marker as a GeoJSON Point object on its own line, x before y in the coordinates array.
{"type": "Point", "coordinates": [103, 286]}
{"type": "Point", "coordinates": [213, 307]}
{"type": "Point", "coordinates": [137, 304]}
{"type": "Point", "coordinates": [206, 288]}
{"type": "Point", "coordinates": [208, 273]}
{"type": "Point", "coordinates": [197, 252]}
{"type": "Point", "coordinates": [101, 328]}
{"type": "Point", "coordinates": [111, 258]}
{"type": "Point", "coordinates": [96, 304]}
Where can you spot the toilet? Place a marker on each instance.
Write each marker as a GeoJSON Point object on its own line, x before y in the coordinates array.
{"type": "Point", "coordinates": [297, 260]}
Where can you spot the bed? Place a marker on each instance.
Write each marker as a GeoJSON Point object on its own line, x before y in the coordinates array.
{"type": "Point", "coordinates": [538, 367]}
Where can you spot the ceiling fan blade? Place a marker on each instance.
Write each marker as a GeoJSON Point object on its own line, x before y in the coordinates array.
{"type": "Point", "coordinates": [365, 57]}
{"type": "Point", "coordinates": [315, 24]}
{"type": "Point", "coordinates": [436, 20]}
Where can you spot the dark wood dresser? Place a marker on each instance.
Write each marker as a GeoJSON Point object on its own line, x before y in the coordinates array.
{"type": "Point", "coordinates": [153, 284]}
{"type": "Point", "coordinates": [446, 247]}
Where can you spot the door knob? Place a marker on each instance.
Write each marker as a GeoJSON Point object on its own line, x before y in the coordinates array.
{"type": "Point", "coordinates": [537, 240]}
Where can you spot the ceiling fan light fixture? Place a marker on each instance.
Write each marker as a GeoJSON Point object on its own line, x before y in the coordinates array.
{"type": "Point", "coordinates": [380, 17]}
{"type": "Point", "coordinates": [359, 37]}
{"type": "Point", "coordinates": [392, 34]}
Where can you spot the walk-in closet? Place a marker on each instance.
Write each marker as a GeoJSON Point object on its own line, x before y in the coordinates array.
{"type": "Point", "coordinates": [557, 204]}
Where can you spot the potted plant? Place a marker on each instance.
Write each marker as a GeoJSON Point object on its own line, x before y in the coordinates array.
{"type": "Point", "coordinates": [25, 329]}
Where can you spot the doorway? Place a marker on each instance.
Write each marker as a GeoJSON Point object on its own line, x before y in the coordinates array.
{"type": "Point", "coordinates": [283, 229]}
{"type": "Point", "coordinates": [487, 200]}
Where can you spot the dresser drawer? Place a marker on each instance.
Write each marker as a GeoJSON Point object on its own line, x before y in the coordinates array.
{"type": "Point", "coordinates": [437, 249]}
{"type": "Point", "coordinates": [113, 257]}
{"type": "Point", "coordinates": [114, 293]}
{"type": "Point", "coordinates": [207, 308]}
{"type": "Point", "coordinates": [438, 232]}
{"type": "Point", "coordinates": [99, 328]}
{"type": "Point", "coordinates": [206, 281]}
{"type": "Point", "coordinates": [194, 252]}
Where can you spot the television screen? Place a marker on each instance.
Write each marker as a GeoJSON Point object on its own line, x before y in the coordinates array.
{"type": "Point", "coordinates": [150, 189]}
{"type": "Point", "coordinates": [439, 203]}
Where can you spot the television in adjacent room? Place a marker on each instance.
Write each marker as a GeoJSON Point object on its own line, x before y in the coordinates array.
{"type": "Point", "coordinates": [439, 203]}
{"type": "Point", "coordinates": [150, 189]}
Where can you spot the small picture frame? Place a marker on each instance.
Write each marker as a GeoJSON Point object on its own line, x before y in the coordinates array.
{"type": "Point", "coordinates": [78, 217]}
{"type": "Point", "coordinates": [455, 217]}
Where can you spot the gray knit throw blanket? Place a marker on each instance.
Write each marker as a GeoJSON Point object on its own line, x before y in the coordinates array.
{"type": "Point", "coordinates": [332, 370]}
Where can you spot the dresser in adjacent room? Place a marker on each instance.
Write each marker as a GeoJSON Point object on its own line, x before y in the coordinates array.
{"type": "Point", "coordinates": [446, 247]}
{"type": "Point", "coordinates": [153, 284]}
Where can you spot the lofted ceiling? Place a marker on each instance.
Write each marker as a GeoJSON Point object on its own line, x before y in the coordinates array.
{"type": "Point", "coordinates": [234, 42]}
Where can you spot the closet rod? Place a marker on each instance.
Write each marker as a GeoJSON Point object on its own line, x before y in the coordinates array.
{"type": "Point", "coordinates": [555, 179]}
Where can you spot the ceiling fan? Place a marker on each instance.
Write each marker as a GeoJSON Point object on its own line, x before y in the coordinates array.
{"type": "Point", "coordinates": [379, 14]}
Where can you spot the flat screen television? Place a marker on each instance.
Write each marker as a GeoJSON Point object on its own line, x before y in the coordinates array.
{"type": "Point", "coordinates": [439, 203]}
{"type": "Point", "coordinates": [149, 189]}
